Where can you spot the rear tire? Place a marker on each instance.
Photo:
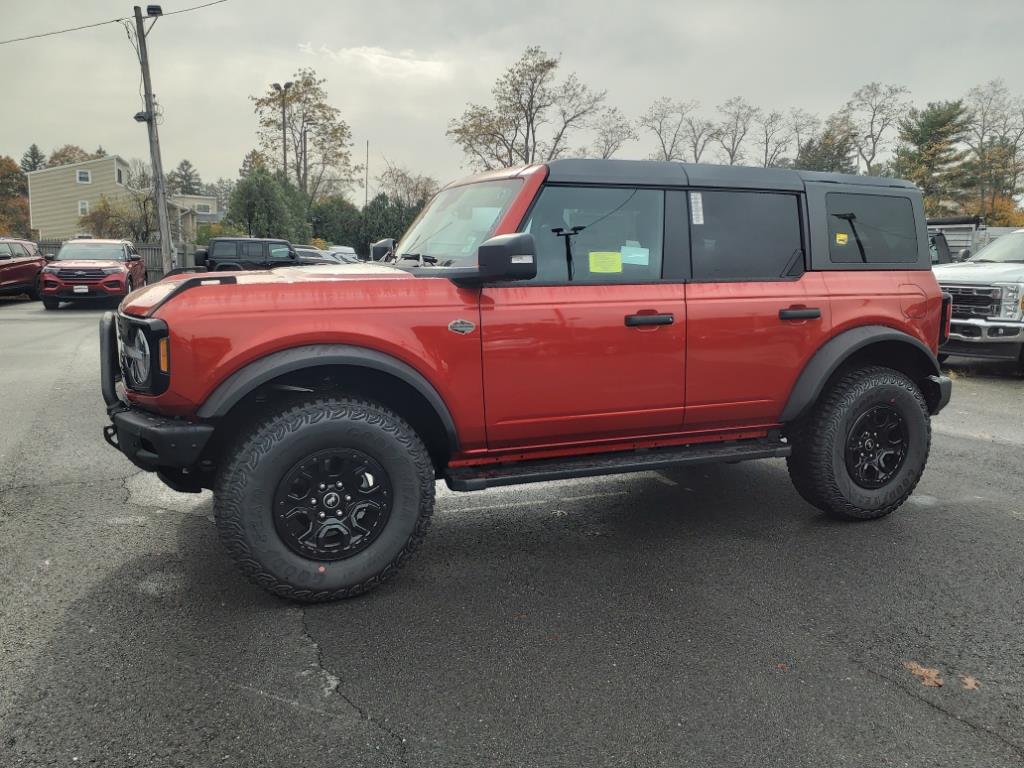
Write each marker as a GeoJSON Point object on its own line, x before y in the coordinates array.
{"type": "Point", "coordinates": [282, 522]}
{"type": "Point", "coordinates": [861, 451]}
{"type": "Point", "coordinates": [35, 292]}
{"type": "Point", "coordinates": [51, 303]}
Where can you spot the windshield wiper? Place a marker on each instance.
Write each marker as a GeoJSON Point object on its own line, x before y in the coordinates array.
{"type": "Point", "coordinates": [420, 257]}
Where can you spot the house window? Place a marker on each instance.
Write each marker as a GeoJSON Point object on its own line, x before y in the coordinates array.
{"type": "Point", "coordinates": [84, 177]}
{"type": "Point", "coordinates": [83, 207]}
{"type": "Point", "coordinates": [120, 176]}
{"type": "Point", "coordinates": [203, 208]}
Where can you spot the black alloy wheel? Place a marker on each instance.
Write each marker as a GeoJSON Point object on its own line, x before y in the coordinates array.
{"type": "Point", "coordinates": [876, 446]}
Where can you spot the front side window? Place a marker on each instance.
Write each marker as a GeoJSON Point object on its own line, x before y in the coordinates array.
{"type": "Point", "coordinates": [614, 234]}
{"type": "Point", "coordinates": [5, 251]}
{"type": "Point", "coordinates": [84, 177]}
{"type": "Point", "coordinates": [745, 236]}
{"type": "Point", "coordinates": [870, 229]}
{"type": "Point", "coordinates": [91, 252]}
{"type": "Point", "coordinates": [18, 250]}
{"type": "Point", "coordinates": [252, 251]}
{"type": "Point", "coordinates": [280, 251]}
{"type": "Point", "coordinates": [456, 222]}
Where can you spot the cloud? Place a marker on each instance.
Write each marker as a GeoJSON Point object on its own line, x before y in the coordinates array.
{"type": "Point", "coordinates": [385, 64]}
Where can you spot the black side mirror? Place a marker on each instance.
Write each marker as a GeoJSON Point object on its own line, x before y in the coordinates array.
{"type": "Point", "coordinates": [134, 257]}
{"type": "Point", "coordinates": [963, 254]}
{"type": "Point", "coordinates": [199, 257]}
{"type": "Point", "coordinates": [508, 257]}
{"type": "Point", "coordinates": [382, 248]}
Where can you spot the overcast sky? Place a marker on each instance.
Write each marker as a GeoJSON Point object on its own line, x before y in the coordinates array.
{"type": "Point", "coordinates": [398, 71]}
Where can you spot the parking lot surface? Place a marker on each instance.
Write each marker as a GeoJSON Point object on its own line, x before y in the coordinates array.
{"type": "Point", "coordinates": [704, 617]}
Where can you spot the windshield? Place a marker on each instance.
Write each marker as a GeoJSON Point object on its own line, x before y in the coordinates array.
{"type": "Point", "coordinates": [1007, 249]}
{"type": "Point", "coordinates": [91, 252]}
{"type": "Point", "coordinates": [456, 222]}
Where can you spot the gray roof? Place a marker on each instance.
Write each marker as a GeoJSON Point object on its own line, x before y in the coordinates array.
{"type": "Point", "coordinates": [662, 173]}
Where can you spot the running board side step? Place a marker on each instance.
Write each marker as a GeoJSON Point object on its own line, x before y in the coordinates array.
{"type": "Point", "coordinates": [478, 478]}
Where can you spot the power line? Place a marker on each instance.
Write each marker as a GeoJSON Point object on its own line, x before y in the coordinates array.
{"type": "Point", "coordinates": [101, 23]}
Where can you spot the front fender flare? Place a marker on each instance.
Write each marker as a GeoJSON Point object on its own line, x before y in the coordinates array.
{"type": "Point", "coordinates": [249, 377]}
{"type": "Point", "coordinates": [833, 353]}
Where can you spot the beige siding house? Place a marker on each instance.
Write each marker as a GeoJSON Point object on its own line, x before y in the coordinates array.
{"type": "Point", "coordinates": [197, 203]}
{"type": "Point", "coordinates": [59, 196]}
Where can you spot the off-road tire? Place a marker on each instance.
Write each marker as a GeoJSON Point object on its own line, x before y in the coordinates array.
{"type": "Point", "coordinates": [941, 358]}
{"type": "Point", "coordinates": [35, 292]}
{"type": "Point", "coordinates": [50, 303]}
{"type": "Point", "coordinates": [248, 478]}
{"type": "Point", "coordinates": [817, 465]}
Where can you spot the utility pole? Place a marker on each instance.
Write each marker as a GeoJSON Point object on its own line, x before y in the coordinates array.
{"type": "Point", "coordinates": [284, 125]}
{"type": "Point", "coordinates": [149, 117]}
{"type": "Point", "coordinates": [366, 177]}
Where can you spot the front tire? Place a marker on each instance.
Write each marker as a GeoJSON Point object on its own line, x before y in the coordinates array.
{"type": "Point", "coordinates": [861, 451]}
{"type": "Point", "coordinates": [326, 499]}
{"type": "Point", "coordinates": [50, 303]}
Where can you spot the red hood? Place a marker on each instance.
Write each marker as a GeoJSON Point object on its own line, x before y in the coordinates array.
{"type": "Point", "coordinates": [142, 300]}
{"type": "Point", "coordinates": [86, 264]}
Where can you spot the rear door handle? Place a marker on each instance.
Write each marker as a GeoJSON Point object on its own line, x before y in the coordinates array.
{"type": "Point", "coordinates": [799, 313]}
{"type": "Point", "coordinates": [634, 320]}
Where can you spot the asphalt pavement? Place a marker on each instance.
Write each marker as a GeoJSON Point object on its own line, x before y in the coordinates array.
{"type": "Point", "coordinates": [699, 617]}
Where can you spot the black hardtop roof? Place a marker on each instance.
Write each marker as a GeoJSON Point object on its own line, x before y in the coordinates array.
{"type": "Point", "coordinates": [244, 239]}
{"type": "Point", "coordinates": [670, 173]}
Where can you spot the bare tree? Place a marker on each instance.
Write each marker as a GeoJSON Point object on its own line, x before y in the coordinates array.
{"type": "Point", "coordinates": [532, 118]}
{"type": "Point", "coordinates": [666, 119]}
{"type": "Point", "coordinates": [612, 129]}
{"type": "Point", "coordinates": [411, 190]}
{"type": "Point", "coordinates": [773, 137]}
{"type": "Point", "coordinates": [698, 132]}
{"type": "Point", "coordinates": [874, 109]}
{"type": "Point", "coordinates": [995, 137]}
{"type": "Point", "coordinates": [802, 125]}
{"type": "Point", "coordinates": [737, 118]}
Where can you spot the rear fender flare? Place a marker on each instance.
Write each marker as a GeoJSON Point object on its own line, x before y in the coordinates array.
{"type": "Point", "coordinates": [836, 351]}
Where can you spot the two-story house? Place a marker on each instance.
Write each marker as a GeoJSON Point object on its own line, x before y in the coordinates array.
{"type": "Point", "coordinates": [59, 196]}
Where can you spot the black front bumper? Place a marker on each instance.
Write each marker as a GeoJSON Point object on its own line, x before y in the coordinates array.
{"type": "Point", "coordinates": [150, 441]}
{"type": "Point", "coordinates": [940, 390]}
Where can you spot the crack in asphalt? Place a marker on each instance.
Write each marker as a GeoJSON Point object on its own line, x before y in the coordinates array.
{"type": "Point", "coordinates": [332, 686]}
{"type": "Point", "coordinates": [976, 727]}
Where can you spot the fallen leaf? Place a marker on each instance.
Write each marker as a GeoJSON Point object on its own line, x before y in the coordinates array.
{"type": "Point", "coordinates": [781, 666]}
{"type": "Point", "coordinates": [929, 676]}
{"type": "Point", "coordinates": [970, 682]}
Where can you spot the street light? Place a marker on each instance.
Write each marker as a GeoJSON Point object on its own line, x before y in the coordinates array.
{"type": "Point", "coordinates": [283, 90]}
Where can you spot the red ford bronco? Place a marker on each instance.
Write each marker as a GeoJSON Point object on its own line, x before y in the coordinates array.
{"type": "Point", "coordinates": [582, 317]}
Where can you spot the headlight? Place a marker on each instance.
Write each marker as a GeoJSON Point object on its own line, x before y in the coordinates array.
{"type": "Point", "coordinates": [51, 269]}
{"type": "Point", "coordinates": [1013, 294]}
{"type": "Point", "coordinates": [144, 353]}
{"type": "Point", "coordinates": [113, 270]}
{"type": "Point", "coordinates": [137, 359]}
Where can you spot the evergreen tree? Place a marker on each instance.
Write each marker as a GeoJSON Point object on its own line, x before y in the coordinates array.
{"type": "Point", "coordinates": [33, 159]}
{"type": "Point", "coordinates": [927, 152]}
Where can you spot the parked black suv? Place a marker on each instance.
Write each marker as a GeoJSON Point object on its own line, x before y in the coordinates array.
{"type": "Point", "coordinates": [235, 253]}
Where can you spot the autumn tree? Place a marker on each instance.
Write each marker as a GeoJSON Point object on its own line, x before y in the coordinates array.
{"type": "Point", "coordinates": [832, 149]}
{"type": "Point", "coordinates": [33, 159]}
{"type": "Point", "coordinates": [928, 153]}
{"type": "Point", "coordinates": [773, 137]}
{"type": "Point", "coordinates": [319, 141]}
{"type": "Point", "coordinates": [874, 110]}
{"type": "Point", "coordinates": [70, 153]}
{"type": "Point", "coordinates": [184, 180]}
{"type": "Point", "coordinates": [14, 218]}
{"type": "Point", "coordinates": [611, 131]}
{"type": "Point", "coordinates": [737, 117]}
{"type": "Point", "coordinates": [253, 159]}
{"type": "Point", "coordinates": [995, 137]}
{"type": "Point", "coordinates": [533, 116]}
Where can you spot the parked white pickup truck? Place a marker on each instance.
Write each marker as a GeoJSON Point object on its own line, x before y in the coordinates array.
{"type": "Point", "coordinates": [988, 301]}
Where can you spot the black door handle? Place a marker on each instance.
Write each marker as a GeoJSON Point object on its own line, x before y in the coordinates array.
{"type": "Point", "coordinates": [799, 313]}
{"type": "Point", "coordinates": [634, 320]}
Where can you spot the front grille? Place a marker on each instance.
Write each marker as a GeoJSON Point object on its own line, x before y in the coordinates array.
{"type": "Point", "coordinates": [87, 275]}
{"type": "Point", "coordinates": [975, 301]}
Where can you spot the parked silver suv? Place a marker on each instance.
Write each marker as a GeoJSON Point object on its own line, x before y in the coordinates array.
{"type": "Point", "coordinates": [988, 301]}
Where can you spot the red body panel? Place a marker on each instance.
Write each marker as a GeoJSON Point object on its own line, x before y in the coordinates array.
{"type": "Point", "coordinates": [548, 370]}
{"type": "Point", "coordinates": [22, 268]}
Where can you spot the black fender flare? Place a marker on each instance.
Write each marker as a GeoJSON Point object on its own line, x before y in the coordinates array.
{"type": "Point", "coordinates": [249, 377]}
{"type": "Point", "coordinates": [836, 351]}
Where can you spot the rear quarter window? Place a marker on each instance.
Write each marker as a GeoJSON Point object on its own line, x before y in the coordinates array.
{"type": "Point", "coordinates": [870, 229]}
{"type": "Point", "coordinates": [224, 250]}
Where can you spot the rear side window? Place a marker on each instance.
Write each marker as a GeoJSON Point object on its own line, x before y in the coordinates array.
{"type": "Point", "coordinates": [5, 250]}
{"type": "Point", "coordinates": [18, 249]}
{"type": "Point", "coordinates": [745, 236]}
{"type": "Point", "coordinates": [252, 251]}
{"type": "Point", "coordinates": [870, 229]}
{"type": "Point", "coordinates": [224, 250]}
{"type": "Point", "coordinates": [618, 234]}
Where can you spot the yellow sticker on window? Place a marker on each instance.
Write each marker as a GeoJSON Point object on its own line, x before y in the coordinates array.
{"type": "Point", "coordinates": [841, 238]}
{"type": "Point", "coordinates": [605, 261]}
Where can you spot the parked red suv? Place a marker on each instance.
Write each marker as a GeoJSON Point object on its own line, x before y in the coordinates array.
{"type": "Point", "coordinates": [582, 317]}
{"type": "Point", "coordinates": [20, 265]}
{"type": "Point", "coordinates": [86, 270]}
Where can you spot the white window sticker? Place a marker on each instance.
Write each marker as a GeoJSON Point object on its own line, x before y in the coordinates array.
{"type": "Point", "coordinates": [632, 254]}
{"type": "Point", "coordinates": [696, 208]}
